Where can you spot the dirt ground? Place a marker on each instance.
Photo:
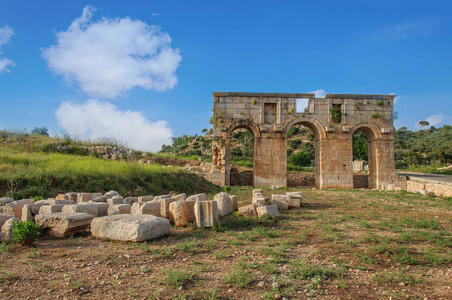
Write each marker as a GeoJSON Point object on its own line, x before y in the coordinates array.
{"type": "Point", "coordinates": [338, 245]}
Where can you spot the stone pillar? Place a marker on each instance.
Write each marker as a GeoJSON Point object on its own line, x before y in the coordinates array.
{"type": "Point", "coordinates": [336, 163]}
{"type": "Point", "coordinates": [270, 160]}
{"type": "Point", "coordinates": [382, 169]}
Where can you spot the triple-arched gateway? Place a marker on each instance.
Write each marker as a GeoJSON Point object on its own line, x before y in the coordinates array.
{"type": "Point", "coordinates": [332, 119]}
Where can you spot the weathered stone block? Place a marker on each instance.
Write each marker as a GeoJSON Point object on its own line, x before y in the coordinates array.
{"type": "Point", "coordinates": [4, 218]}
{"type": "Point", "coordinates": [102, 208]}
{"type": "Point", "coordinates": [51, 209]}
{"type": "Point", "coordinates": [257, 191]}
{"type": "Point", "coordinates": [7, 229]}
{"type": "Point", "coordinates": [248, 210]}
{"type": "Point", "coordinates": [135, 228]}
{"type": "Point", "coordinates": [5, 200]}
{"type": "Point", "coordinates": [58, 202]}
{"type": "Point", "coordinates": [130, 200]}
{"type": "Point", "coordinates": [15, 208]}
{"type": "Point", "coordinates": [119, 209]}
{"type": "Point", "coordinates": [282, 201]}
{"type": "Point", "coordinates": [180, 197]}
{"type": "Point", "coordinates": [146, 208]}
{"type": "Point", "coordinates": [206, 213]}
{"type": "Point", "coordinates": [197, 197]}
{"type": "Point", "coordinates": [86, 197]}
{"type": "Point", "coordinates": [182, 212]}
{"type": "Point", "coordinates": [270, 210]}
{"type": "Point", "coordinates": [64, 224]}
{"type": "Point", "coordinates": [164, 206]}
{"type": "Point", "coordinates": [115, 200]}
{"type": "Point", "coordinates": [111, 194]}
{"type": "Point", "coordinates": [224, 203]}
{"type": "Point", "coordinates": [260, 200]}
{"type": "Point", "coordinates": [29, 211]}
{"type": "Point", "coordinates": [145, 198]}
{"type": "Point", "coordinates": [102, 199]}
{"type": "Point", "coordinates": [235, 203]}
{"type": "Point", "coordinates": [157, 198]}
{"type": "Point", "coordinates": [89, 208]}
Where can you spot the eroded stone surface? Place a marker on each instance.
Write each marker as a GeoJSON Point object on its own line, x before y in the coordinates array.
{"type": "Point", "coordinates": [282, 201]}
{"type": "Point", "coordinates": [146, 208]}
{"type": "Point", "coordinates": [248, 210]}
{"type": "Point", "coordinates": [7, 229]}
{"type": "Point", "coordinates": [89, 208]}
{"type": "Point", "coordinates": [15, 208]}
{"type": "Point", "coordinates": [135, 228]}
{"type": "Point", "coordinates": [197, 197]}
{"type": "Point", "coordinates": [64, 224]}
{"type": "Point", "coordinates": [182, 212]}
{"type": "Point", "coordinates": [270, 210]}
{"type": "Point", "coordinates": [51, 209]}
{"type": "Point", "coordinates": [224, 203]}
{"type": "Point", "coordinates": [119, 209]}
{"type": "Point", "coordinates": [4, 218]}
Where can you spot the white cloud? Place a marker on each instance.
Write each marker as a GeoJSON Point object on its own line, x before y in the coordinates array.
{"type": "Point", "coordinates": [95, 119]}
{"type": "Point", "coordinates": [435, 120]}
{"type": "Point", "coordinates": [109, 57]}
{"type": "Point", "coordinates": [405, 30]}
{"type": "Point", "coordinates": [319, 93]}
{"type": "Point", "coordinates": [396, 99]}
{"type": "Point", "coordinates": [5, 35]}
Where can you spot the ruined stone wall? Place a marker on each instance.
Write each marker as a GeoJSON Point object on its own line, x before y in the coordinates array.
{"type": "Point", "coordinates": [333, 119]}
{"type": "Point", "coordinates": [300, 179]}
{"type": "Point", "coordinates": [431, 188]}
{"type": "Point", "coordinates": [360, 181]}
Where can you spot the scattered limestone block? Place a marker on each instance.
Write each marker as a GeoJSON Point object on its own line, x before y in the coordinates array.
{"type": "Point", "coordinates": [270, 210]}
{"type": "Point", "coordinates": [61, 197]}
{"type": "Point", "coordinates": [260, 200]}
{"type": "Point", "coordinates": [282, 201]}
{"type": "Point", "coordinates": [72, 196]}
{"type": "Point", "coordinates": [180, 197]}
{"type": "Point", "coordinates": [115, 200]}
{"type": "Point", "coordinates": [130, 200]}
{"type": "Point", "coordinates": [99, 199]}
{"type": "Point", "coordinates": [119, 209]}
{"type": "Point", "coordinates": [86, 197]}
{"type": "Point", "coordinates": [423, 192]}
{"type": "Point", "coordinates": [5, 200]}
{"type": "Point", "coordinates": [164, 206]}
{"type": "Point", "coordinates": [197, 197]}
{"type": "Point", "coordinates": [257, 191]}
{"type": "Point", "coordinates": [64, 224]}
{"type": "Point", "coordinates": [235, 203]}
{"type": "Point", "coordinates": [145, 198]}
{"type": "Point", "coordinates": [89, 208]}
{"type": "Point", "coordinates": [15, 208]}
{"type": "Point", "coordinates": [135, 228]}
{"type": "Point", "coordinates": [29, 211]}
{"type": "Point", "coordinates": [1, 209]}
{"type": "Point", "coordinates": [182, 212]}
{"type": "Point", "coordinates": [51, 209]}
{"type": "Point", "coordinates": [224, 203]}
{"type": "Point", "coordinates": [58, 202]}
{"type": "Point", "coordinates": [146, 208]}
{"type": "Point", "coordinates": [206, 213]}
{"type": "Point", "coordinates": [157, 198]}
{"type": "Point", "coordinates": [7, 229]}
{"type": "Point", "coordinates": [111, 194]}
{"type": "Point", "coordinates": [295, 199]}
{"type": "Point", "coordinates": [4, 218]}
{"type": "Point", "coordinates": [102, 208]}
{"type": "Point", "coordinates": [248, 210]}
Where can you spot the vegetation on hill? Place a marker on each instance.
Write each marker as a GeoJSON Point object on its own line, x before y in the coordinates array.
{"type": "Point", "coordinates": [30, 167]}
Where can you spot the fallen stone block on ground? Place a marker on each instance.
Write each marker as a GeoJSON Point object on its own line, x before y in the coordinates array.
{"type": "Point", "coordinates": [282, 201]}
{"type": "Point", "coordinates": [130, 200]}
{"type": "Point", "coordinates": [164, 206]}
{"type": "Point", "coordinates": [248, 210]}
{"type": "Point", "coordinates": [86, 197]}
{"type": "Point", "coordinates": [51, 209]}
{"type": "Point", "coordinates": [64, 224]}
{"type": "Point", "coordinates": [15, 208]}
{"type": "Point", "coordinates": [224, 203]}
{"type": "Point", "coordinates": [146, 208]}
{"type": "Point", "coordinates": [206, 213]}
{"type": "Point", "coordinates": [180, 197]}
{"type": "Point", "coordinates": [270, 210]}
{"type": "Point", "coordinates": [197, 197]}
{"type": "Point", "coordinates": [119, 209]}
{"type": "Point", "coordinates": [7, 229]}
{"type": "Point", "coordinates": [29, 211]}
{"type": "Point", "coordinates": [4, 218]}
{"type": "Point", "coordinates": [235, 203]}
{"type": "Point", "coordinates": [134, 228]}
{"type": "Point", "coordinates": [145, 198]}
{"type": "Point", "coordinates": [102, 208]}
{"type": "Point", "coordinates": [81, 208]}
{"type": "Point", "coordinates": [5, 200]}
{"type": "Point", "coordinates": [182, 212]}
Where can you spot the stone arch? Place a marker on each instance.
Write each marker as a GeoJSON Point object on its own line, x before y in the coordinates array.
{"type": "Point", "coordinates": [370, 130]}
{"type": "Point", "coordinates": [312, 123]}
{"type": "Point", "coordinates": [373, 135]}
{"type": "Point", "coordinates": [247, 124]}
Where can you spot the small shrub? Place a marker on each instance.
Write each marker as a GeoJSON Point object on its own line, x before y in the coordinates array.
{"type": "Point", "coordinates": [25, 232]}
{"type": "Point", "coordinates": [176, 278]}
{"type": "Point", "coordinates": [238, 277]}
{"type": "Point", "coordinates": [376, 115]}
{"type": "Point", "coordinates": [379, 103]}
{"type": "Point", "coordinates": [227, 189]}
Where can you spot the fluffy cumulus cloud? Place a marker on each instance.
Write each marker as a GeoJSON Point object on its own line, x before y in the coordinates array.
{"type": "Point", "coordinates": [95, 119]}
{"type": "Point", "coordinates": [435, 120]}
{"type": "Point", "coordinates": [319, 93]}
{"type": "Point", "coordinates": [5, 35]}
{"type": "Point", "coordinates": [109, 57]}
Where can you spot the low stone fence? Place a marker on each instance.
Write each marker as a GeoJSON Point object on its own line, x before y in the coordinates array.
{"type": "Point", "coordinates": [430, 188]}
{"type": "Point", "coordinates": [241, 178]}
{"type": "Point", "coordinates": [360, 181]}
{"type": "Point", "coordinates": [300, 179]}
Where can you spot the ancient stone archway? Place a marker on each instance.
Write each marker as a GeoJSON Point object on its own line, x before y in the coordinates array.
{"type": "Point", "coordinates": [332, 119]}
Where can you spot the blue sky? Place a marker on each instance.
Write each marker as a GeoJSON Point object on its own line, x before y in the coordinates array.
{"type": "Point", "coordinates": [144, 71]}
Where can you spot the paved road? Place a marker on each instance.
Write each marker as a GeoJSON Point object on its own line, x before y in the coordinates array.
{"type": "Point", "coordinates": [429, 177]}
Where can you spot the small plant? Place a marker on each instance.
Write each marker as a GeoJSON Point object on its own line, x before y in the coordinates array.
{"type": "Point", "coordinates": [176, 278]}
{"type": "Point", "coordinates": [379, 103]}
{"type": "Point", "coordinates": [227, 189]}
{"type": "Point", "coordinates": [336, 113]}
{"type": "Point", "coordinates": [26, 232]}
{"type": "Point", "coordinates": [367, 102]}
{"type": "Point", "coordinates": [238, 277]}
{"type": "Point", "coordinates": [376, 114]}
{"type": "Point", "coordinates": [253, 101]}
{"type": "Point", "coordinates": [37, 198]}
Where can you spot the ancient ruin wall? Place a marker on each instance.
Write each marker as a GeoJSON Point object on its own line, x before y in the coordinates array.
{"type": "Point", "coordinates": [333, 119]}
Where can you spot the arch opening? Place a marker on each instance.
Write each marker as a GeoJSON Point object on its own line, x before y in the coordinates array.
{"type": "Point", "coordinates": [364, 157]}
{"type": "Point", "coordinates": [241, 156]}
